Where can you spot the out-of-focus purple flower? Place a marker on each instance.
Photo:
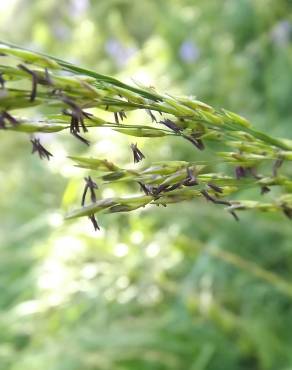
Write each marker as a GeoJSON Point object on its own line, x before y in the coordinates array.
{"type": "Point", "coordinates": [281, 33]}
{"type": "Point", "coordinates": [78, 7]}
{"type": "Point", "coordinates": [60, 31]}
{"type": "Point", "coordinates": [119, 52]}
{"type": "Point", "coordinates": [189, 52]}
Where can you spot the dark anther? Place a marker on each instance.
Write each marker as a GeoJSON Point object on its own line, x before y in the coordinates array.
{"type": "Point", "coordinates": [122, 115]}
{"type": "Point", "coordinates": [214, 200]}
{"type": "Point", "coordinates": [35, 80]}
{"type": "Point", "coordinates": [82, 139]}
{"type": "Point", "coordinates": [77, 118]}
{"type": "Point", "coordinates": [170, 124]}
{"type": "Point", "coordinates": [77, 115]}
{"type": "Point", "coordinates": [7, 117]}
{"type": "Point", "coordinates": [276, 166]}
{"type": "Point", "coordinates": [47, 77]}
{"type": "Point", "coordinates": [2, 123]}
{"type": "Point", "coordinates": [94, 222]}
{"type": "Point", "coordinates": [38, 148]}
{"type": "Point", "coordinates": [116, 118]}
{"type": "Point", "coordinates": [287, 211]}
{"type": "Point", "coordinates": [195, 141]}
{"type": "Point", "coordinates": [10, 118]}
{"type": "Point", "coordinates": [172, 187]}
{"type": "Point", "coordinates": [166, 188]}
{"type": "Point", "coordinates": [87, 115]}
{"type": "Point", "coordinates": [138, 155]}
{"type": "Point", "coordinates": [234, 215]}
{"type": "Point", "coordinates": [91, 186]}
{"type": "Point", "coordinates": [265, 189]}
{"type": "Point", "coordinates": [145, 188]}
{"type": "Point", "coordinates": [190, 180]}
{"type": "Point", "coordinates": [154, 191]}
{"type": "Point", "coordinates": [240, 172]}
{"type": "Point", "coordinates": [153, 118]}
{"type": "Point", "coordinates": [2, 81]}
{"type": "Point", "coordinates": [216, 188]}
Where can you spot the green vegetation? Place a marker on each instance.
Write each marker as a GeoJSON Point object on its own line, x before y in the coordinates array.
{"type": "Point", "coordinates": [176, 287]}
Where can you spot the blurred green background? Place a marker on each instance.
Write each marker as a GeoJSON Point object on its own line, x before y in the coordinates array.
{"type": "Point", "coordinates": [182, 288]}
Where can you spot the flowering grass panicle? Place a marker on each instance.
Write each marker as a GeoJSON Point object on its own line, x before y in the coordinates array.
{"type": "Point", "coordinates": [251, 158]}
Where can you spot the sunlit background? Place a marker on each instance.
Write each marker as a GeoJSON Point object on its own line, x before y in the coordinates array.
{"type": "Point", "coordinates": [183, 288]}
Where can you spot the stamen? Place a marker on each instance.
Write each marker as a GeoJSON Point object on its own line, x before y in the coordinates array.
{"type": "Point", "coordinates": [91, 186]}
{"type": "Point", "coordinates": [216, 188]}
{"type": "Point", "coordinates": [265, 189]}
{"type": "Point", "coordinates": [122, 115]}
{"type": "Point", "coordinates": [35, 80]}
{"type": "Point", "coordinates": [145, 188]}
{"type": "Point", "coordinates": [276, 166]}
{"type": "Point", "coordinates": [94, 222]}
{"type": "Point", "coordinates": [171, 125]}
{"type": "Point", "coordinates": [195, 141]}
{"type": "Point", "coordinates": [153, 118]}
{"type": "Point", "coordinates": [138, 155]}
{"type": "Point", "coordinates": [77, 119]}
{"type": "Point", "coordinates": [214, 200]}
{"type": "Point", "coordinates": [234, 215]}
{"type": "Point", "coordinates": [287, 211]}
{"type": "Point", "coordinates": [116, 118]}
{"type": "Point", "coordinates": [4, 117]}
{"type": "Point", "coordinates": [37, 147]}
{"type": "Point", "coordinates": [2, 81]}
{"type": "Point", "coordinates": [190, 180]}
{"type": "Point", "coordinates": [240, 172]}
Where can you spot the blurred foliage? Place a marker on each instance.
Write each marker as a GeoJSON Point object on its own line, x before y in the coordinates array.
{"type": "Point", "coordinates": [176, 288]}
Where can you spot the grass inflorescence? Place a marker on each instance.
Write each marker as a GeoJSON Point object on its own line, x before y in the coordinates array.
{"type": "Point", "coordinates": [69, 95]}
